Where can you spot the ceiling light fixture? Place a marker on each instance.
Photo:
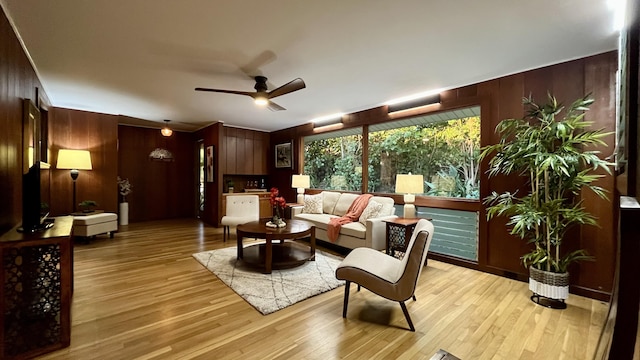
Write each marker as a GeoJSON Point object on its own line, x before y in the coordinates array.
{"type": "Point", "coordinates": [166, 131]}
{"type": "Point", "coordinates": [260, 100]}
{"type": "Point", "coordinates": [413, 97]}
{"type": "Point", "coordinates": [619, 8]}
{"type": "Point", "coordinates": [327, 119]}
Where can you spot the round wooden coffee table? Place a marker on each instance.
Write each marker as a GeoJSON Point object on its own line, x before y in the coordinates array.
{"type": "Point", "coordinates": [271, 254]}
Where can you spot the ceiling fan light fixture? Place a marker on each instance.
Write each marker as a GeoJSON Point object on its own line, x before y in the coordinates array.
{"type": "Point", "coordinates": [166, 131]}
{"type": "Point", "coordinates": [261, 101]}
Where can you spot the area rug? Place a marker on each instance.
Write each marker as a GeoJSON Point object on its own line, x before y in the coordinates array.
{"type": "Point", "coordinates": [272, 292]}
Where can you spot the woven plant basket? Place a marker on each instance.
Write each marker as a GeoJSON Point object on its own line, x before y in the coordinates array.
{"type": "Point", "coordinates": [549, 284]}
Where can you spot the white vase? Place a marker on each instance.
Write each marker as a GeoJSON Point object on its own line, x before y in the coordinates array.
{"type": "Point", "coordinates": [124, 213]}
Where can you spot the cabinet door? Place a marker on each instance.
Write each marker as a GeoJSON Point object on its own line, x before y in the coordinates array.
{"type": "Point", "coordinates": [265, 207]}
{"type": "Point", "coordinates": [260, 152]}
{"type": "Point", "coordinates": [230, 161]}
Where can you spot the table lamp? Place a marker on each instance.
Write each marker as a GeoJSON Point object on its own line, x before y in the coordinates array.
{"type": "Point", "coordinates": [74, 160]}
{"type": "Point", "coordinates": [301, 182]}
{"type": "Point", "coordinates": [409, 185]}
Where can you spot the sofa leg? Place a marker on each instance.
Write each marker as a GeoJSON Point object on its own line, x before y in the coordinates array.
{"type": "Point", "coordinates": [346, 298]}
{"type": "Point", "coordinates": [406, 315]}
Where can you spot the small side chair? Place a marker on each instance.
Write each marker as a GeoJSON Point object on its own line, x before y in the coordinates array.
{"type": "Point", "coordinates": [240, 209]}
{"type": "Point", "coordinates": [385, 275]}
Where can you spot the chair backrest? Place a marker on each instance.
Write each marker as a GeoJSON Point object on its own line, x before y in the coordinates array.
{"type": "Point", "coordinates": [243, 205]}
{"type": "Point", "coordinates": [413, 261]}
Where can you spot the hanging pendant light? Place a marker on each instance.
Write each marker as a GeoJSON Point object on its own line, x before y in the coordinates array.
{"type": "Point", "coordinates": [166, 131]}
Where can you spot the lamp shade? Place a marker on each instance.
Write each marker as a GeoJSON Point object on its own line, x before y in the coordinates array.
{"type": "Point", "coordinates": [74, 159]}
{"type": "Point", "coordinates": [409, 184]}
{"type": "Point", "coordinates": [300, 181]}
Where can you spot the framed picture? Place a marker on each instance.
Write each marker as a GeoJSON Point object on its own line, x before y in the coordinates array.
{"type": "Point", "coordinates": [209, 164]}
{"type": "Point", "coordinates": [284, 156]}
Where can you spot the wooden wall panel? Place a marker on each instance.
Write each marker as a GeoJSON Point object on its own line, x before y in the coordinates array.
{"type": "Point", "coordinates": [161, 189]}
{"type": "Point", "coordinates": [83, 130]}
{"type": "Point", "coordinates": [18, 80]}
{"type": "Point", "coordinates": [213, 136]}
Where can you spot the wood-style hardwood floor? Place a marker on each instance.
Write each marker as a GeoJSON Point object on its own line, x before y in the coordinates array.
{"type": "Point", "coordinates": [142, 296]}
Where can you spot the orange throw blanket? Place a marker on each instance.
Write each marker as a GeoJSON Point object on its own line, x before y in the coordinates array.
{"type": "Point", "coordinates": [353, 214]}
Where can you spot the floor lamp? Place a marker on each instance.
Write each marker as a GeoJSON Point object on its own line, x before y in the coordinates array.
{"type": "Point", "coordinates": [409, 185]}
{"type": "Point", "coordinates": [74, 160]}
{"type": "Point", "coordinates": [300, 182]}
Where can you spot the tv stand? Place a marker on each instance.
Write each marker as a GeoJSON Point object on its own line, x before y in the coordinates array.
{"type": "Point", "coordinates": [37, 282]}
{"type": "Point", "coordinates": [44, 226]}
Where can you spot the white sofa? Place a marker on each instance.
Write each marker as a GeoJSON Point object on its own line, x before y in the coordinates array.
{"type": "Point", "coordinates": [368, 232]}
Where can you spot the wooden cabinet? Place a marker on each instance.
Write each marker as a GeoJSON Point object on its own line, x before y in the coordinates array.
{"type": "Point", "coordinates": [265, 205]}
{"type": "Point", "coordinates": [37, 281]}
{"type": "Point", "coordinates": [245, 152]}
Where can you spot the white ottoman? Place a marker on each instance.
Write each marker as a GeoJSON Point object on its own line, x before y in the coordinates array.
{"type": "Point", "coordinates": [91, 225]}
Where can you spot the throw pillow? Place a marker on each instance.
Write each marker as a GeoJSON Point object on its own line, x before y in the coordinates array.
{"type": "Point", "coordinates": [371, 211]}
{"type": "Point", "coordinates": [312, 204]}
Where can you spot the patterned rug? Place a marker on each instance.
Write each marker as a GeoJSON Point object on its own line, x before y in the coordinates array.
{"type": "Point", "coordinates": [272, 292]}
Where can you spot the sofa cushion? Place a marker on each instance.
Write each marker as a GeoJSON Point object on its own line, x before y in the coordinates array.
{"type": "Point", "coordinates": [355, 229]}
{"type": "Point", "coordinates": [371, 211]}
{"type": "Point", "coordinates": [343, 204]}
{"type": "Point", "coordinates": [312, 204]}
{"type": "Point", "coordinates": [388, 207]}
{"type": "Point", "coordinates": [329, 200]}
{"type": "Point", "coordinates": [320, 221]}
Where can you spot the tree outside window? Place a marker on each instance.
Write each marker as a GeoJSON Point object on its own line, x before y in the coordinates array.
{"type": "Point", "coordinates": [443, 147]}
{"type": "Point", "coordinates": [334, 161]}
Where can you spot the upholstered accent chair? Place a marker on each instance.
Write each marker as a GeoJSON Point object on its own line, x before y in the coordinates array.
{"type": "Point", "coordinates": [385, 275]}
{"type": "Point", "coordinates": [240, 209]}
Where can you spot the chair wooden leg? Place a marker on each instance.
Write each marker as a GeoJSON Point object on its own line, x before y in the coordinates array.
{"type": "Point", "coordinates": [414, 298]}
{"type": "Point", "coordinates": [406, 315]}
{"type": "Point", "coordinates": [225, 230]}
{"type": "Point", "coordinates": [358, 287]}
{"type": "Point", "coordinates": [346, 298]}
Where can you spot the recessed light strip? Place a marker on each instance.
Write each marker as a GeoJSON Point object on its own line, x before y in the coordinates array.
{"type": "Point", "coordinates": [327, 119]}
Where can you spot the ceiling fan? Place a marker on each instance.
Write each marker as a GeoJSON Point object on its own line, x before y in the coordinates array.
{"type": "Point", "coordinates": [263, 97]}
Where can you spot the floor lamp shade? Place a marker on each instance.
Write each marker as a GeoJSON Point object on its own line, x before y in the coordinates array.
{"type": "Point", "coordinates": [300, 182]}
{"type": "Point", "coordinates": [74, 160]}
{"type": "Point", "coordinates": [409, 185]}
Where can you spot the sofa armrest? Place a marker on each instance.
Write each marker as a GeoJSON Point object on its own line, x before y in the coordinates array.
{"type": "Point", "coordinates": [295, 210]}
{"type": "Point", "coordinates": [376, 235]}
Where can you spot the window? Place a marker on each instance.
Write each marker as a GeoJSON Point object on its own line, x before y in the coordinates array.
{"type": "Point", "coordinates": [443, 147]}
{"type": "Point", "coordinates": [334, 160]}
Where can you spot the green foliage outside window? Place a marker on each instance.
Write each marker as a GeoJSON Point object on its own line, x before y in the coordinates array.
{"type": "Point", "coordinates": [335, 163]}
{"type": "Point", "coordinates": [445, 153]}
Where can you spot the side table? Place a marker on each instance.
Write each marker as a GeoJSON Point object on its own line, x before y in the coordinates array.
{"type": "Point", "coordinates": [399, 231]}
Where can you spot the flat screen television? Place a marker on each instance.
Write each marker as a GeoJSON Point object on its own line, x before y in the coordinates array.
{"type": "Point", "coordinates": [36, 197]}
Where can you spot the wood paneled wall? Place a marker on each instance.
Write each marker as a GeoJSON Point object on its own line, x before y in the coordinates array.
{"type": "Point", "coordinates": [213, 136]}
{"type": "Point", "coordinates": [83, 130]}
{"type": "Point", "coordinates": [161, 189]}
{"type": "Point", "coordinates": [501, 98]}
{"type": "Point", "coordinates": [18, 80]}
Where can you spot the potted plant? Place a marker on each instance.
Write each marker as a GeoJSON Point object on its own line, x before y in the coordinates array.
{"type": "Point", "coordinates": [548, 150]}
{"type": "Point", "coordinates": [125, 188]}
{"type": "Point", "coordinates": [88, 206]}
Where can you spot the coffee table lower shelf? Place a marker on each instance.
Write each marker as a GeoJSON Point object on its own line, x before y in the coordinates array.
{"type": "Point", "coordinates": [284, 255]}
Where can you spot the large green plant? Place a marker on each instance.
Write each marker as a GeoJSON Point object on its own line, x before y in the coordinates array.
{"type": "Point", "coordinates": [550, 152]}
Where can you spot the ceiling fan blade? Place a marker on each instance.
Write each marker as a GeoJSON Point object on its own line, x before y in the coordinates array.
{"type": "Point", "coordinates": [274, 107]}
{"type": "Point", "coordinates": [226, 91]}
{"type": "Point", "coordinates": [291, 86]}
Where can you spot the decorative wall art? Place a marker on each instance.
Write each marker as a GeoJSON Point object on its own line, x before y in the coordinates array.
{"type": "Point", "coordinates": [284, 156]}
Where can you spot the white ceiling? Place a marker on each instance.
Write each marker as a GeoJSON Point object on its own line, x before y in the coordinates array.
{"type": "Point", "coordinates": [143, 58]}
